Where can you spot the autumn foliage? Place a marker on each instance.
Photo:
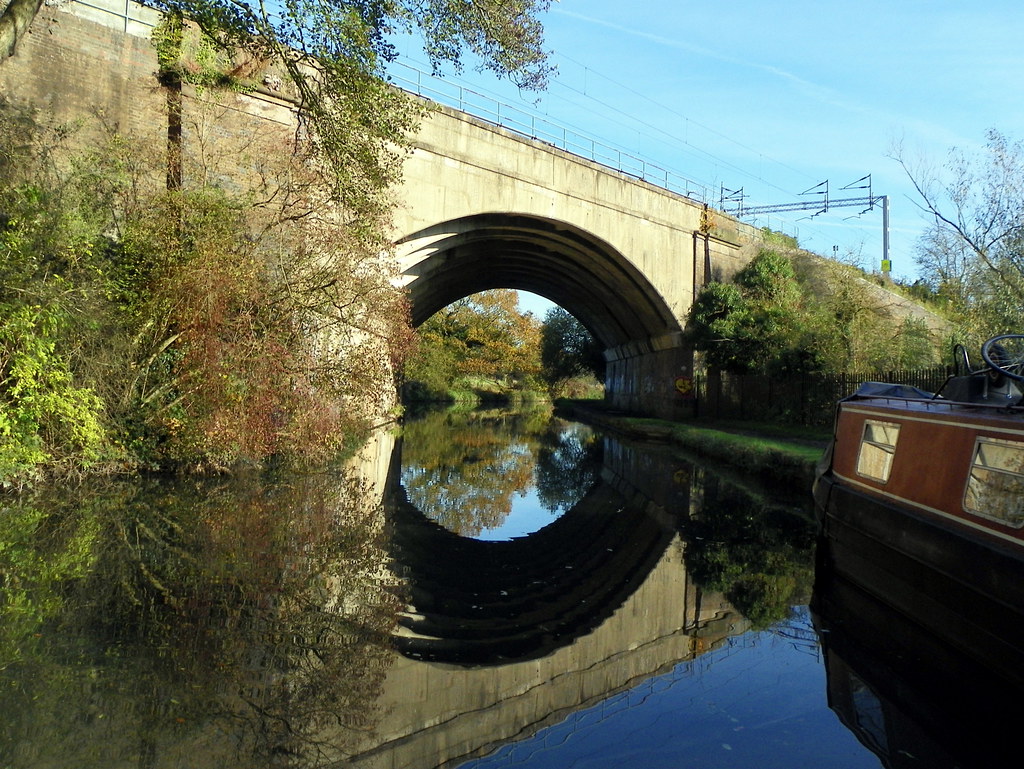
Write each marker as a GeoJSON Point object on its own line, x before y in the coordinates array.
{"type": "Point", "coordinates": [482, 342]}
{"type": "Point", "coordinates": [193, 328]}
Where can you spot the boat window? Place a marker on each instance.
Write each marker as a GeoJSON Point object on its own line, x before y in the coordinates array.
{"type": "Point", "coordinates": [995, 488]}
{"type": "Point", "coordinates": [877, 448]}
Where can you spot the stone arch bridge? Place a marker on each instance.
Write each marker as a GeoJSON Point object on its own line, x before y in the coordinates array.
{"type": "Point", "coordinates": [481, 207]}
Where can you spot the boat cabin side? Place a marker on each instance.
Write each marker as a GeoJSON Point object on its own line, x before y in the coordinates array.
{"type": "Point", "coordinates": [941, 459]}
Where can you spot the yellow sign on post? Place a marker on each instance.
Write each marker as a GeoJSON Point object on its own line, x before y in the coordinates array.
{"type": "Point", "coordinates": [684, 385]}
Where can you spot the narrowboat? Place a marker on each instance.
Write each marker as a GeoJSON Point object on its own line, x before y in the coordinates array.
{"type": "Point", "coordinates": [922, 495]}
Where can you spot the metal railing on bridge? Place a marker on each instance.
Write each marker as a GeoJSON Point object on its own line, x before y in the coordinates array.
{"type": "Point", "coordinates": [534, 126]}
{"type": "Point", "coordinates": [128, 16]}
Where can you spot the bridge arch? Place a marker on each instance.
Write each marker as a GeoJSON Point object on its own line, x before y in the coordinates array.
{"type": "Point", "coordinates": [622, 255]}
{"type": "Point", "coordinates": [554, 259]}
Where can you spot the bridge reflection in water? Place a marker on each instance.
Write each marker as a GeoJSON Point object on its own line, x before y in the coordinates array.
{"type": "Point", "coordinates": [501, 639]}
{"type": "Point", "coordinates": [244, 623]}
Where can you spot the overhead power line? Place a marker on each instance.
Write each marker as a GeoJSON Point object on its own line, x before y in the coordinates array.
{"type": "Point", "coordinates": [732, 202]}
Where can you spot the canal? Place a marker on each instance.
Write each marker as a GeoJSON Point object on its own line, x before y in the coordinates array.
{"type": "Point", "coordinates": [492, 588]}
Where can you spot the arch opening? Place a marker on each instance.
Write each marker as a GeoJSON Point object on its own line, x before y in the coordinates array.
{"type": "Point", "coordinates": [646, 359]}
{"type": "Point", "coordinates": [555, 260]}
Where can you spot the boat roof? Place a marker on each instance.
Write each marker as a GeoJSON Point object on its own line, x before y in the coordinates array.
{"type": "Point", "coordinates": [908, 398]}
{"type": "Point", "coordinates": [886, 390]}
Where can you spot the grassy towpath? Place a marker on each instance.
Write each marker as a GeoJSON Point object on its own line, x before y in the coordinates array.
{"type": "Point", "coordinates": [772, 451]}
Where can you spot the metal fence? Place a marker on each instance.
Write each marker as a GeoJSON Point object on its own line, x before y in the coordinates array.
{"type": "Point", "coordinates": [126, 15]}
{"type": "Point", "coordinates": [803, 400]}
{"type": "Point", "coordinates": [532, 125]}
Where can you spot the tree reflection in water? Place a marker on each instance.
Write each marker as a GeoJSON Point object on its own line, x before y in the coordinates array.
{"type": "Point", "coordinates": [755, 551]}
{"type": "Point", "coordinates": [568, 465]}
{"type": "Point", "coordinates": [465, 470]}
{"type": "Point", "coordinates": [239, 624]}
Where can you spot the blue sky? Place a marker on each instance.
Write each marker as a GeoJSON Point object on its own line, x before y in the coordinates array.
{"type": "Point", "coordinates": [777, 97]}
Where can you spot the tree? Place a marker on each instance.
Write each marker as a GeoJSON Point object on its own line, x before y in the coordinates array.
{"type": "Point", "coordinates": [331, 59]}
{"type": "Point", "coordinates": [743, 325]}
{"type": "Point", "coordinates": [973, 254]}
{"type": "Point", "coordinates": [465, 470]}
{"type": "Point", "coordinates": [14, 22]}
{"type": "Point", "coordinates": [482, 338]}
{"type": "Point", "coordinates": [159, 328]}
{"type": "Point", "coordinates": [253, 609]}
{"type": "Point", "coordinates": [568, 465]}
{"type": "Point", "coordinates": [769, 279]}
{"type": "Point", "coordinates": [757, 554]}
{"type": "Point", "coordinates": [568, 349]}
{"type": "Point", "coordinates": [200, 326]}
{"type": "Point", "coordinates": [501, 342]}
{"type": "Point", "coordinates": [505, 34]}
{"type": "Point", "coordinates": [778, 322]}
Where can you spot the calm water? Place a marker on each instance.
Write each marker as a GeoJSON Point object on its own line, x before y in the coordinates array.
{"type": "Point", "coordinates": [494, 589]}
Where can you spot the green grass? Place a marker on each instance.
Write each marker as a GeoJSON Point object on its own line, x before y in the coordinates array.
{"type": "Point", "coordinates": [746, 443]}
